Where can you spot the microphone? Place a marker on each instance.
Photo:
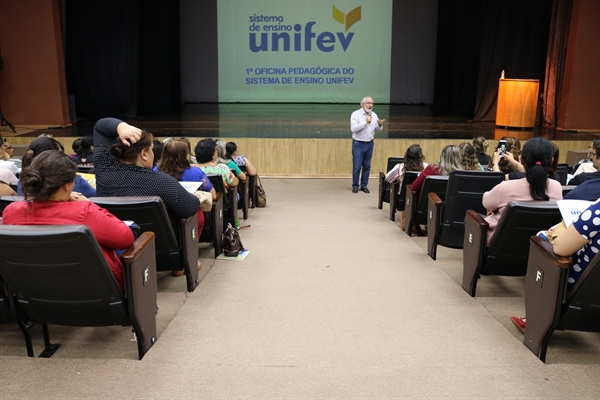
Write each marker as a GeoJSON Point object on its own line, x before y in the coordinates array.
{"type": "Point", "coordinates": [369, 123]}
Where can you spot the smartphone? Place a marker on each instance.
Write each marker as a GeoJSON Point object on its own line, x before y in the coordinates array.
{"type": "Point", "coordinates": [502, 146]}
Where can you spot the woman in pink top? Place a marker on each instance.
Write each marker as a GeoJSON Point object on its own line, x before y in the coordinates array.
{"type": "Point", "coordinates": [49, 200]}
{"type": "Point", "coordinates": [536, 158]}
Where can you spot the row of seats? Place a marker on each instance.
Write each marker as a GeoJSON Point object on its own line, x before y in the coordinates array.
{"type": "Point", "coordinates": [65, 280]}
{"type": "Point", "coordinates": [451, 207]}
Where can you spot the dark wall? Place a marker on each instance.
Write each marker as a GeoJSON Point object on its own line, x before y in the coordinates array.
{"type": "Point", "coordinates": [123, 56]}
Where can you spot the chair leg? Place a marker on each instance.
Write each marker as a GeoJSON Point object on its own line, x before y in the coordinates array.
{"type": "Point", "coordinates": [18, 315]}
{"type": "Point", "coordinates": [49, 348]}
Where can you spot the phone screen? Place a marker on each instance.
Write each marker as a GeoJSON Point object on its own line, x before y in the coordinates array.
{"type": "Point", "coordinates": [502, 146]}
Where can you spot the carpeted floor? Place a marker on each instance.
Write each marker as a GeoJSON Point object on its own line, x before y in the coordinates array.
{"type": "Point", "coordinates": [333, 301]}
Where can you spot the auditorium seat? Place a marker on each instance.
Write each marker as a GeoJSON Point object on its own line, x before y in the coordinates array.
{"type": "Point", "coordinates": [58, 275]}
{"type": "Point", "coordinates": [416, 203]}
{"type": "Point", "coordinates": [384, 186]}
{"type": "Point", "coordinates": [548, 305]}
{"type": "Point", "coordinates": [175, 251]}
{"type": "Point", "coordinates": [229, 199]}
{"type": "Point", "coordinates": [398, 202]}
{"type": "Point", "coordinates": [446, 219]}
{"type": "Point", "coordinates": [244, 190]}
{"type": "Point", "coordinates": [509, 248]}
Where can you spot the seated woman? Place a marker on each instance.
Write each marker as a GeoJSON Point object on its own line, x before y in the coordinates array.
{"type": "Point", "coordinates": [449, 161]}
{"type": "Point", "coordinates": [468, 159]}
{"type": "Point", "coordinates": [123, 161]}
{"type": "Point", "coordinates": [49, 200]}
{"type": "Point", "coordinates": [513, 146]}
{"type": "Point", "coordinates": [222, 159]}
{"type": "Point", "coordinates": [85, 152]}
{"type": "Point", "coordinates": [42, 144]}
{"type": "Point", "coordinates": [7, 165]}
{"type": "Point", "coordinates": [481, 145]}
{"type": "Point", "coordinates": [520, 170]}
{"type": "Point", "coordinates": [175, 161]}
{"type": "Point", "coordinates": [7, 176]}
{"type": "Point", "coordinates": [232, 154]}
{"type": "Point", "coordinates": [414, 160]}
{"type": "Point", "coordinates": [206, 155]}
{"type": "Point", "coordinates": [536, 159]}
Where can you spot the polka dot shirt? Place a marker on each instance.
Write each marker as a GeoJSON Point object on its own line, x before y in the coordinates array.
{"type": "Point", "coordinates": [588, 225]}
{"type": "Point", "coordinates": [115, 179]}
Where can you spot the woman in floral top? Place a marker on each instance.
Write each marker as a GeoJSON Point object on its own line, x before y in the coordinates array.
{"type": "Point", "coordinates": [206, 156]}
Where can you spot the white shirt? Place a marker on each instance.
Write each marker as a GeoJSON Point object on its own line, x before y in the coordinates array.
{"type": "Point", "coordinates": [10, 166]}
{"type": "Point", "coordinates": [359, 127]}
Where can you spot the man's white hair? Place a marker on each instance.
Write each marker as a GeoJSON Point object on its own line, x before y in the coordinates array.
{"type": "Point", "coordinates": [364, 100]}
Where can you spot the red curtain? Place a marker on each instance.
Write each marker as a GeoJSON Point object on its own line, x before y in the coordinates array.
{"type": "Point", "coordinates": [555, 60]}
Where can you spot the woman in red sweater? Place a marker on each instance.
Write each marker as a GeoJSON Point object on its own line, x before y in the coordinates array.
{"type": "Point", "coordinates": [448, 162]}
{"type": "Point", "coordinates": [49, 200]}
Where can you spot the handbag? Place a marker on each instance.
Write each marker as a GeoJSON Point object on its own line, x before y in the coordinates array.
{"type": "Point", "coordinates": [232, 243]}
{"type": "Point", "coordinates": [261, 196]}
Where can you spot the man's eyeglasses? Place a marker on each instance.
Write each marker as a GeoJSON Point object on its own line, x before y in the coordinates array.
{"type": "Point", "coordinates": [591, 151]}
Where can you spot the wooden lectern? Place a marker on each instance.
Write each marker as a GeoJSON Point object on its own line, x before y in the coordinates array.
{"type": "Point", "coordinates": [517, 102]}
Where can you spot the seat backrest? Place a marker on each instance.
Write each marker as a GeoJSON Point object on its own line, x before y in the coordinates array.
{"type": "Point", "coordinates": [150, 213]}
{"type": "Point", "coordinates": [581, 310]}
{"type": "Point", "coordinates": [432, 184]}
{"type": "Point", "coordinates": [86, 169]}
{"type": "Point", "coordinates": [219, 186]}
{"type": "Point", "coordinates": [563, 170]}
{"type": "Point", "coordinates": [508, 251]}
{"type": "Point", "coordinates": [392, 161]}
{"type": "Point", "coordinates": [60, 276]}
{"type": "Point", "coordinates": [6, 200]}
{"type": "Point", "coordinates": [408, 178]}
{"type": "Point", "coordinates": [464, 192]}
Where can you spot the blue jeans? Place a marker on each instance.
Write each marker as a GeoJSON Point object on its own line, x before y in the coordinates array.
{"type": "Point", "coordinates": [361, 158]}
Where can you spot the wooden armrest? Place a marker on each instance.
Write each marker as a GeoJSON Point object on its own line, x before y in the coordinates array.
{"type": "Point", "coordinates": [547, 250]}
{"type": "Point", "coordinates": [184, 221]}
{"type": "Point", "coordinates": [139, 270]}
{"type": "Point", "coordinates": [477, 219]}
{"type": "Point", "coordinates": [140, 244]}
{"type": "Point", "coordinates": [475, 244]}
{"type": "Point", "coordinates": [409, 208]}
{"type": "Point", "coordinates": [435, 199]}
{"type": "Point", "coordinates": [545, 291]}
{"type": "Point", "coordinates": [434, 211]}
{"type": "Point", "coordinates": [380, 195]}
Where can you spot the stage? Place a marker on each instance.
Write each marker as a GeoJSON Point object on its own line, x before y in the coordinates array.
{"type": "Point", "coordinates": [314, 139]}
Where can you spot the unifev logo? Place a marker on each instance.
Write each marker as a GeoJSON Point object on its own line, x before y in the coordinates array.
{"type": "Point", "coordinates": [281, 40]}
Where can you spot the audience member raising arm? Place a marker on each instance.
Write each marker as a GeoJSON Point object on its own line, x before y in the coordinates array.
{"type": "Point", "coordinates": [123, 161]}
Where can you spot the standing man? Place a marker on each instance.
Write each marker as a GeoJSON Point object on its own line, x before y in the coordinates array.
{"type": "Point", "coordinates": [363, 127]}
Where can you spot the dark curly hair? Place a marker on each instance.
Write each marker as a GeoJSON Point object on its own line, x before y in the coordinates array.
{"type": "Point", "coordinates": [46, 174]}
{"type": "Point", "coordinates": [128, 154]}
{"type": "Point", "coordinates": [37, 147]}
{"type": "Point", "coordinates": [205, 150]}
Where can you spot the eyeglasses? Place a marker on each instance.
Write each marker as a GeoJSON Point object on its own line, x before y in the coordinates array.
{"type": "Point", "coordinates": [369, 102]}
